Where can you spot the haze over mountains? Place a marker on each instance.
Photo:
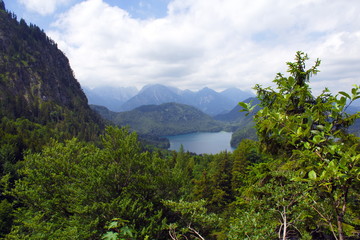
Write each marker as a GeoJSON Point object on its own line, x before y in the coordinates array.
{"type": "Point", "coordinates": [207, 100]}
{"type": "Point", "coordinates": [111, 97]}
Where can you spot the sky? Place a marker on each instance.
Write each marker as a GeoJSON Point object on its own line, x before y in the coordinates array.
{"type": "Point", "coordinates": [192, 44]}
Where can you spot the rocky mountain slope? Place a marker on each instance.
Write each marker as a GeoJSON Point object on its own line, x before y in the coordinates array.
{"type": "Point", "coordinates": [37, 82]}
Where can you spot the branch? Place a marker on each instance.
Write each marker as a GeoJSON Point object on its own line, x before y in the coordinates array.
{"type": "Point", "coordinates": [293, 225]}
{"type": "Point", "coordinates": [196, 233]}
{"type": "Point", "coordinates": [327, 220]}
{"type": "Point", "coordinates": [172, 234]}
{"type": "Point", "coordinates": [319, 155]}
{"type": "Point", "coordinates": [279, 232]}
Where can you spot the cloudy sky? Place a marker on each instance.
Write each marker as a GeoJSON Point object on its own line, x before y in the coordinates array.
{"type": "Point", "coordinates": [191, 44]}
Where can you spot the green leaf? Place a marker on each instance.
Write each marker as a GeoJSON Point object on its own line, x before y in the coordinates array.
{"type": "Point", "coordinates": [354, 91]}
{"type": "Point", "coordinates": [126, 231]}
{"type": "Point", "coordinates": [355, 98]}
{"type": "Point", "coordinates": [113, 224]}
{"type": "Point", "coordinates": [299, 179]}
{"type": "Point", "coordinates": [345, 94]}
{"type": "Point", "coordinates": [299, 131]}
{"type": "Point", "coordinates": [332, 165]}
{"type": "Point", "coordinates": [317, 139]}
{"type": "Point", "coordinates": [342, 101]}
{"type": "Point", "coordinates": [312, 175]}
{"type": "Point", "coordinates": [315, 132]}
{"type": "Point", "coordinates": [110, 236]}
{"type": "Point", "coordinates": [320, 127]}
{"type": "Point", "coordinates": [332, 169]}
{"type": "Point", "coordinates": [307, 145]}
{"type": "Point", "coordinates": [245, 106]}
{"type": "Point", "coordinates": [343, 162]}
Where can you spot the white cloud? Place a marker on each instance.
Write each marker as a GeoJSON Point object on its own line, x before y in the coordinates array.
{"type": "Point", "coordinates": [212, 43]}
{"type": "Point", "coordinates": [43, 7]}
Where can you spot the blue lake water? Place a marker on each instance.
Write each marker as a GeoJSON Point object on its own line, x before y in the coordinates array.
{"type": "Point", "coordinates": [202, 142]}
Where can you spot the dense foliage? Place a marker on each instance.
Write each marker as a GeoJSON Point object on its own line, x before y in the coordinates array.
{"type": "Point", "coordinates": [299, 181]}
{"type": "Point", "coordinates": [314, 174]}
{"type": "Point", "coordinates": [72, 189]}
{"type": "Point", "coordinates": [61, 179]}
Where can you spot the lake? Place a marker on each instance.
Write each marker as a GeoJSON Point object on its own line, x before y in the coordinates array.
{"type": "Point", "coordinates": [202, 142]}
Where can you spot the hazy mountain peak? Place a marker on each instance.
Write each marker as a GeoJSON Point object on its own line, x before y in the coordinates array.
{"type": "Point", "coordinates": [152, 94]}
{"type": "Point", "coordinates": [152, 87]}
{"type": "Point", "coordinates": [236, 95]}
{"type": "Point", "coordinates": [207, 90]}
{"type": "Point", "coordinates": [206, 99]}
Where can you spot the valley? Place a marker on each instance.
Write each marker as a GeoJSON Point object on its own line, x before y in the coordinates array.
{"type": "Point", "coordinates": [159, 110]}
{"type": "Point", "coordinates": [152, 122]}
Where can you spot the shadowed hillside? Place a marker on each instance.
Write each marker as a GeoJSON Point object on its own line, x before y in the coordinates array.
{"type": "Point", "coordinates": [37, 82]}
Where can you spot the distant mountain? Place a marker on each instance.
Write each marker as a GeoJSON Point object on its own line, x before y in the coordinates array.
{"type": "Point", "coordinates": [111, 97]}
{"type": "Point", "coordinates": [236, 95]}
{"type": "Point", "coordinates": [209, 101]}
{"type": "Point", "coordinates": [206, 100]}
{"type": "Point", "coordinates": [152, 94]}
{"type": "Point", "coordinates": [356, 103]}
{"type": "Point", "coordinates": [163, 119]}
{"type": "Point", "coordinates": [37, 83]}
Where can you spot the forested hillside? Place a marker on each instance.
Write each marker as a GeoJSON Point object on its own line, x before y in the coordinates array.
{"type": "Point", "coordinates": [164, 119]}
{"type": "Point", "coordinates": [62, 178]}
{"type": "Point", "coordinates": [40, 100]}
{"type": "Point", "coordinates": [36, 81]}
{"type": "Point", "coordinates": [240, 123]}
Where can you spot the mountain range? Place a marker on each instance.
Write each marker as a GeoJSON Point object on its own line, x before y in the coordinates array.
{"type": "Point", "coordinates": [163, 119]}
{"type": "Point", "coordinates": [38, 84]}
{"type": "Point", "coordinates": [207, 100]}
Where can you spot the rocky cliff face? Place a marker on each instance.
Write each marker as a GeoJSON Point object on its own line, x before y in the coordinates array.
{"type": "Point", "coordinates": [36, 80]}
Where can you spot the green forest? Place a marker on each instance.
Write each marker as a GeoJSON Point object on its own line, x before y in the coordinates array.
{"type": "Point", "coordinates": [66, 174]}
{"type": "Point", "coordinates": [299, 181]}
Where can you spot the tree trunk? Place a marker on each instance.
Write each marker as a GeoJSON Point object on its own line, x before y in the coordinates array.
{"type": "Point", "coordinates": [340, 227]}
{"type": "Point", "coordinates": [285, 224]}
{"type": "Point", "coordinates": [341, 212]}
